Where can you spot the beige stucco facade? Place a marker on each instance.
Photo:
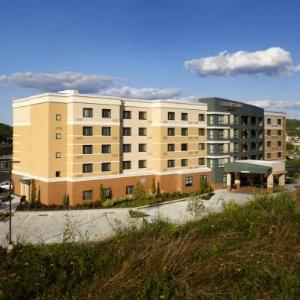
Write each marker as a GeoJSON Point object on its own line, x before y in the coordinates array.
{"type": "Point", "coordinates": [128, 141]}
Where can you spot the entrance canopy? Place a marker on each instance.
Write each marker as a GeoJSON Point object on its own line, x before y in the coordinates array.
{"type": "Point", "coordinates": [255, 167]}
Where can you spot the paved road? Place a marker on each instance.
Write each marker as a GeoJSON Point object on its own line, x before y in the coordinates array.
{"type": "Point", "coordinates": [99, 224]}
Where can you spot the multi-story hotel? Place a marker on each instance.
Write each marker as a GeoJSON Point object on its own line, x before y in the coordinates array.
{"type": "Point", "coordinates": [69, 143]}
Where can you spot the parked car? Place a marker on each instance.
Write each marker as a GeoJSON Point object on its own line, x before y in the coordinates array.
{"type": "Point", "coordinates": [4, 196]}
{"type": "Point", "coordinates": [5, 185]}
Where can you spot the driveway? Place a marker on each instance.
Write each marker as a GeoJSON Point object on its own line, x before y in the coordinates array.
{"type": "Point", "coordinates": [99, 224]}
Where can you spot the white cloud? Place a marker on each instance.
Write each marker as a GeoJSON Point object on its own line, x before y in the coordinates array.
{"type": "Point", "coordinates": [53, 82]}
{"type": "Point", "coordinates": [144, 93]}
{"type": "Point", "coordinates": [273, 61]}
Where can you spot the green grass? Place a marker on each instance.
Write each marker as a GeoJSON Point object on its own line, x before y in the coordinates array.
{"type": "Point", "coordinates": [246, 252]}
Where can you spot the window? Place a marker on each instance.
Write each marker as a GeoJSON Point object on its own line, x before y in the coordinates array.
{"type": "Point", "coordinates": [236, 120]}
{"type": "Point", "coordinates": [171, 131]}
{"type": "Point", "coordinates": [269, 132]}
{"type": "Point", "coordinates": [278, 132]}
{"type": "Point", "coordinates": [279, 143]}
{"type": "Point", "coordinates": [171, 115]}
{"type": "Point", "coordinates": [278, 121]}
{"type": "Point", "coordinates": [268, 143]}
{"type": "Point", "coordinates": [87, 195]}
{"type": "Point", "coordinates": [184, 162]}
{"type": "Point", "coordinates": [184, 131]}
{"type": "Point", "coordinates": [127, 131]}
{"type": "Point", "coordinates": [87, 131]}
{"type": "Point", "coordinates": [221, 119]}
{"type": "Point", "coordinates": [107, 193]}
{"type": "Point", "coordinates": [203, 178]}
{"type": "Point", "coordinates": [126, 148]}
{"type": "Point", "coordinates": [222, 161]}
{"type": "Point", "coordinates": [105, 167]}
{"type": "Point", "coordinates": [278, 154]}
{"type": "Point", "coordinates": [57, 154]}
{"type": "Point", "coordinates": [201, 117]}
{"type": "Point", "coordinates": [221, 133]}
{"type": "Point", "coordinates": [211, 134]}
{"type": "Point", "coordinates": [253, 146]}
{"type": "Point", "coordinates": [87, 149]}
{"type": "Point", "coordinates": [87, 168]}
{"type": "Point", "coordinates": [142, 147]}
{"type": "Point", "coordinates": [184, 147]}
{"type": "Point", "coordinates": [171, 163]}
{"type": "Point", "coordinates": [201, 132]}
{"type": "Point", "coordinates": [58, 117]}
{"type": "Point", "coordinates": [236, 147]}
{"type": "Point", "coordinates": [142, 115]}
{"type": "Point", "coordinates": [106, 113]}
{"type": "Point", "coordinates": [188, 181]}
{"type": "Point", "coordinates": [142, 164]}
{"type": "Point", "coordinates": [201, 161]}
{"type": "Point", "coordinates": [236, 133]}
{"type": "Point", "coordinates": [58, 136]}
{"type": "Point", "coordinates": [129, 189]}
{"type": "Point", "coordinates": [87, 112]}
{"type": "Point", "coordinates": [221, 148]}
{"type": "Point", "coordinates": [253, 120]}
{"type": "Point", "coordinates": [126, 114]}
{"type": "Point", "coordinates": [184, 116]}
{"type": "Point", "coordinates": [106, 131]}
{"type": "Point", "coordinates": [211, 163]}
{"type": "Point", "coordinates": [211, 120]}
{"type": "Point", "coordinates": [106, 149]}
{"type": "Point", "coordinates": [126, 164]}
{"type": "Point", "coordinates": [142, 131]}
{"type": "Point", "coordinates": [211, 149]}
{"type": "Point", "coordinates": [269, 121]}
{"type": "Point", "coordinates": [171, 147]}
{"type": "Point", "coordinates": [57, 174]}
{"type": "Point", "coordinates": [268, 155]}
{"type": "Point", "coordinates": [201, 146]}
{"type": "Point", "coordinates": [253, 133]}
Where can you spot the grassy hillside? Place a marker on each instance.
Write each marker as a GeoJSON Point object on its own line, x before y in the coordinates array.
{"type": "Point", "coordinates": [249, 252]}
{"type": "Point", "coordinates": [293, 127]}
{"type": "Point", "coordinates": [5, 132]}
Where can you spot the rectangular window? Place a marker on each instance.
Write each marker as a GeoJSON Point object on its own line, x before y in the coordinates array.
{"type": "Point", "coordinates": [269, 121]}
{"type": "Point", "coordinates": [211, 120]}
{"type": "Point", "coordinates": [142, 147]}
{"type": "Point", "coordinates": [201, 132]}
{"type": "Point", "coordinates": [105, 167]}
{"type": "Point", "coordinates": [184, 116]}
{"type": "Point", "coordinates": [211, 149]}
{"type": "Point", "coordinates": [221, 119]}
{"type": "Point", "coordinates": [57, 174]}
{"type": "Point", "coordinates": [268, 155]}
{"type": "Point", "coordinates": [171, 131]}
{"type": "Point", "coordinates": [222, 161]}
{"type": "Point", "coordinates": [142, 115]}
{"type": "Point", "coordinates": [87, 195]}
{"type": "Point", "coordinates": [127, 131]}
{"type": "Point", "coordinates": [211, 134]}
{"type": "Point", "coordinates": [279, 143]}
{"type": "Point", "coordinates": [87, 112]}
{"type": "Point", "coordinates": [253, 120]}
{"type": "Point", "coordinates": [142, 164]}
{"type": "Point", "coordinates": [126, 148]}
{"type": "Point", "coordinates": [58, 117]}
{"type": "Point", "coordinates": [106, 148]}
{"type": "Point", "coordinates": [269, 132]}
{"type": "Point", "coordinates": [171, 115]}
{"type": "Point", "coordinates": [87, 149]}
{"type": "Point", "coordinates": [201, 146]}
{"type": "Point", "coordinates": [126, 114]}
{"type": "Point", "coordinates": [107, 193]}
{"type": "Point", "coordinates": [221, 133]}
{"type": "Point", "coordinates": [142, 131]}
{"type": "Point", "coordinates": [106, 113]}
{"type": "Point", "coordinates": [87, 131]}
{"type": "Point", "coordinates": [236, 133]}
{"type": "Point", "coordinates": [87, 168]}
{"type": "Point", "coordinates": [184, 147]}
{"type": "Point", "coordinates": [278, 121]}
{"type": "Point", "coordinates": [268, 143]}
{"type": "Point", "coordinates": [188, 181]}
{"type": "Point", "coordinates": [236, 120]}
{"type": "Point", "coordinates": [201, 117]}
{"type": "Point", "coordinates": [106, 131]}
{"type": "Point", "coordinates": [57, 154]}
{"type": "Point", "coordinates": [171, 163]}
{"type": "Point", "coordinates": [126, 165]}
{"type": "Point", "coordinates": [184, 131]}
{"type": "Point", "coordinates": [278, 132]}
{"type": "Point", "coordinates": [278, 154]}
{"type": "Point", "coordinates": [236, 147]}
{"type": "Point", "coordinates": [171, 147]}
{"type": "Point", "coordinates": [221, 148]}
{"type": "Point", "coordinates": [129, 189]}
{"type": "Point", "coordinates": [201, 161]}
{"type": "Point", "coordinates": [58, 136]}
{"type": "Point", "coordinates": [184, 162]}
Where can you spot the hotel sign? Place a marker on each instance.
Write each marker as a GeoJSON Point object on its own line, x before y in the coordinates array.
{"type": "Point", "coordinates": [231, 106]}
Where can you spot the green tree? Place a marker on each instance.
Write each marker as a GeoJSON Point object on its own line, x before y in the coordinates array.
{"type": "Point", "coordinates": [204, 187]}
{"type": "Point", "coordinates": [139, 191]}
{"type": "Point", "coordinates": [66, 200]}
{"type": "Point", "coordinates": [153, 187]}
{"type": "Point", "coordinates": [289, 147]}
{"type": "Point", "coordinates": [33, 191]}
{"type": "Point", "coordinates": [101, 193]}
{"type": "Point", "coordinates": [39, 195]}
{"type": "Point", "coordinates": [158, 192]}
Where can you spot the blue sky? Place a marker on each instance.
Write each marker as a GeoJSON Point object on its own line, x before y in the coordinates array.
{"type": "Point", "coordinates": [152, 49]}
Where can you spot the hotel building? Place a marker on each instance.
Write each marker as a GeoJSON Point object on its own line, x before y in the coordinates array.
{"type": "Point", "coordinates": [70, 143]}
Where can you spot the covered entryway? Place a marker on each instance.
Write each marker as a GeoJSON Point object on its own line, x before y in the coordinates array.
{"type": "Point", "coordinates": [247, 175]}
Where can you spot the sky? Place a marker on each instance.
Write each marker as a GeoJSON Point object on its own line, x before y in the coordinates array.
{"type": "Point", "coordinates": [242, 50]}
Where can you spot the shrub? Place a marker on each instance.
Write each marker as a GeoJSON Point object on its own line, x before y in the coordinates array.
{"type": "Point", "coordinates": [139, 191]}
{"type": "Point", "coordinates": [66, 201]}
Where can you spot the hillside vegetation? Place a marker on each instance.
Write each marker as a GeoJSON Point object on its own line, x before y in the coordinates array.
{"type": "Point", "coordinates": [245, 252]}
{"type": "Point", "coordinates": [293, 127]}
{"type": "Point", "coordinates": [5, 132]}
